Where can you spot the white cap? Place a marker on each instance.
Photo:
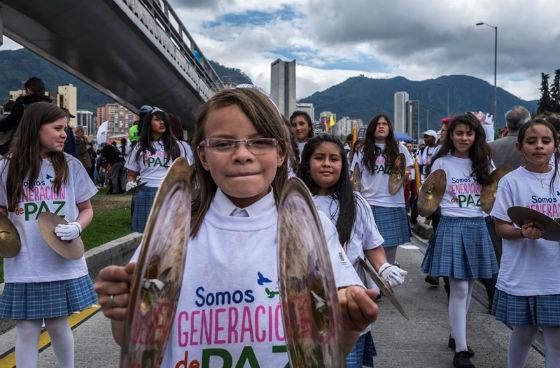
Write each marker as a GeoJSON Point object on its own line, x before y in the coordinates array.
{"type": "Point", "coordinates": [432, 133]}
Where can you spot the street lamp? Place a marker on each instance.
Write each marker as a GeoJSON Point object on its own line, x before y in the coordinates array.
{"type": "Point", "coordinates": [495, 64]}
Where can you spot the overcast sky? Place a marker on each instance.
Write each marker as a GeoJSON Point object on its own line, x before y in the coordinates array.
{"type": "Point", "coordinates": [333, 40]}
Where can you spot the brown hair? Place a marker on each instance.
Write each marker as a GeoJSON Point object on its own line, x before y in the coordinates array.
{"type": "Point", "coordinates": [25, 152]}
{"type": "Point", "coordinates": [266, 119]}
{"type": "Point", "coordinates": [371, 151]}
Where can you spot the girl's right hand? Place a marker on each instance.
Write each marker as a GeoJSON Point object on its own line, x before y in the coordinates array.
{"type": "Point", "coordinates": [530, 231]}
{"type": "Point", "coordinates": [113, 290]}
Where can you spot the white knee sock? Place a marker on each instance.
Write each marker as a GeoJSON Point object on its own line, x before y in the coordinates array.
{"type": "Point", "coordinates": [391, 254]}
{"type": "Point", "coordinates": [519, 344]}
{"type": "Point", "coordinates": [62, 341]}
{"type": "Point", "coordinates": [27, 339]}
{"type": "Point", "coordinates": [552, 346]}
{"type": "Point", "coordinates": [458, 299]}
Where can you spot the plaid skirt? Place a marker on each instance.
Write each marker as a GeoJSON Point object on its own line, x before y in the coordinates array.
{"type": "Point", "coordinates": [362, 353]}
{"type": "Point", "coordinates": [461, 248]}
{"type": "Point", "coordinates": [38, 300]}
{"type": "Point", "coordinates": [143, 200]}
{"type": "Point", "coordinates": [537, 310]}
{"type": "Point", "coordinates": [393, 225]}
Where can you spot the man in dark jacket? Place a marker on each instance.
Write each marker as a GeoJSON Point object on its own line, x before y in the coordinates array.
{"type": "Point", "coordinates": [34, 92]}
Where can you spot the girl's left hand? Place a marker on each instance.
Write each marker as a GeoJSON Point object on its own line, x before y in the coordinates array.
{"type": "Point", "coordinates": [358, 312]}
{"type": "Point", "coordinates": [69, 231]}
{"type": "Point", "coordinates": [530, 231]}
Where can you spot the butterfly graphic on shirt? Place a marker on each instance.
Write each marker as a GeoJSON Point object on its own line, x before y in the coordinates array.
{"type": "Point", "coordinates": [262, 279]}
{"type": "Point", "coordinates": [50, 178]}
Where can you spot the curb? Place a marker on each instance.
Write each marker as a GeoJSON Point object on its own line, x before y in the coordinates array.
{"type": "Point", "coordinates": [115, 252]}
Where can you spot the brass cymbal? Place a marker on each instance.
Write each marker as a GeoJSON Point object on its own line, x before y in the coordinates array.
{"type": "Point", "coordinates": [397, 176]}
{"type": "Point", "coordinates": [431, 192]}
{"type": "Point", "coordinates": [69, 249]}
{"type": "Point", "coordinates": [488, 192]}
{"type": "Point", "coordinates": [310, 311]}
{"type": "Point", "coordinates": [157, 280]}
{"type": "Point", "coordinates": [523, 215]}
{"type": "Point", "coordinates": [10, 244]}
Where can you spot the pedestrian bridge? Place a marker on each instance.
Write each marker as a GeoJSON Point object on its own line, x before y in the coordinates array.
{"type": "Point", "coordinates": [135, 51]}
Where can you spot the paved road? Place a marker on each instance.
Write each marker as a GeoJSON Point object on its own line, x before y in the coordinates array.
{"type": "Point", "coordinates": [420, 342]}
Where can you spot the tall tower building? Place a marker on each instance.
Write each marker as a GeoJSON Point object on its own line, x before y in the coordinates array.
{"type": "Point", "coordinates": [413, 119]}
{"type": "Point", "coordinates": [399, 122]}
{"type": "Point", "coordinates": [283, 86]}
{"type": "Point", "coordinates": [85, 120]}
{"type": "Point", "coordinates": [68, 98]}
{"type": "Point", "coordinates": [119, 117]}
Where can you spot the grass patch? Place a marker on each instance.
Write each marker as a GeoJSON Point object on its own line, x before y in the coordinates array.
{"type": "Point", "coordinates": [111, 220]}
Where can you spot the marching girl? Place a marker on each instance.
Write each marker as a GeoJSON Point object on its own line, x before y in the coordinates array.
{"type": "Point", "coordinates": [149, 161]}
{"type": "Point", "coordinates": [461, 248]}
{"type": "Point", "coordinates": [240, 168]}
{"type": "Point", "coordinates": [324, 169]}
{"type": "Point", "coordinates": [37, 176]}
{"type": "Point", "coordinates": [528, 289]}
{"type": "Point", "coordinates": [302, 127]}
{"type": "Point", "coordinates": [374, 161]}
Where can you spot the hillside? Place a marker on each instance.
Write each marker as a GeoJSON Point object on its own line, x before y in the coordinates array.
{"type": "Point", "coordinates": [361, 97]}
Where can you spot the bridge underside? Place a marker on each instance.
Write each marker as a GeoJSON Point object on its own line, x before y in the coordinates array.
{"type": "Point", "coordinates": [102, 45]}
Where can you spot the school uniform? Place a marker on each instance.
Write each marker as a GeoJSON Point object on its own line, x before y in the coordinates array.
{"type": "Point", "coordinates": [364, 236]}
{"type": "Point", "coordinates": [39, 283]}
{"type": "Point", "coordinates": [229, 306]}
{"type": "Point", "coordinates": [388, 210]}
{"type": "Point", "coordinates": [461, 248]}
{"type": "Point", "coordinates": [528, 286]}
{"type": "Point", "coordinates": [152, 168]}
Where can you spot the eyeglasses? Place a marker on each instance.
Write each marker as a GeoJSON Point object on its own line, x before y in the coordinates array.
{"type": "Point", "coordinates": [256, 146]}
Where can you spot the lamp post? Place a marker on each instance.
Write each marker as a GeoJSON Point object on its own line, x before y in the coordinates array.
{"type": "Point", "coordinates": [495, 64]}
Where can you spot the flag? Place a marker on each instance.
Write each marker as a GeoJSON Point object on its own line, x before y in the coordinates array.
{"type": "Point", "coordinates": [417, 176]}
{"type": "Point", "coordinates": [102, 132]}
{"type": "Point", "coordinates": [354, 135]}
{"type": "Point", "coordinates": [332, 122]}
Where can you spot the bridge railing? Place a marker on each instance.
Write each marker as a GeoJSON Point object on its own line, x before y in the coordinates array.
{"type": "Point", "coordinates": [162, 22]}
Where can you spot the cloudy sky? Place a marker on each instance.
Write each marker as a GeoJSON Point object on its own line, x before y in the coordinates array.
{"type": "Point", "coordinates": [418, 39]}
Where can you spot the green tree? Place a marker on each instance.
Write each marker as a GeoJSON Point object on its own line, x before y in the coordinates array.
{"type": "Point", "coordinates": [555, 91]}
{"type": "Point", "coordinates": [545, 102]}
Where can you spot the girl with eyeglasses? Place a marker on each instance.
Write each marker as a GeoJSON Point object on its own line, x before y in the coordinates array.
{"type": "Point", "coordinates": [148, 163]}
{"type": "Point", "coordinates": [240, 169]}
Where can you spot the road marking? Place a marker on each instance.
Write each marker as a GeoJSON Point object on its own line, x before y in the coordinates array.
{"type": "Point", "coordinates": [8, 358]}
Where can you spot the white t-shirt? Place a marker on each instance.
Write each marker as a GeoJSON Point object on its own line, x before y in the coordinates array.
{"type": "Point", "coordinates": [462, 194]}
{"type": "Point", "coordinates": [300, 147]}
{"type": "Point", "coordinates": [153, 167]}
{"type": "Point", "coordinates": [36, 261]}
{"type": "Point", "coordinates": [425, 158]}
{"type": "Point", "coordinates": [229, 304]}
{"type": "Point", "coordinates": [528, 267]}
{"type": "Point", "coordinates": [375, 186]}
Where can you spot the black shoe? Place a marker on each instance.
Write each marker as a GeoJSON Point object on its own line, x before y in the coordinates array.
{"type": "Point", "coordinates": [462, 360]}
{"type": "Point", "coordinates": [432, 280]}
{"type": "Point", "coordinates": [451, 344]}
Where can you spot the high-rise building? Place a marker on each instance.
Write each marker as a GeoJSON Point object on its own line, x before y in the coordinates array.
{"type": "Point", "coordinates": [413, 119]}
{"type": "Point", "coordinates": [68, 98]}
{"type": "Point", "coordinates": [343, 127]}
{"type": "Point", "coordinates": [283, 86]}
{"type": "Point", "coordinates": [119, 117]}
{"type": "Point", "coordinates": [85, 120]}
{"type": "Point", "coordinates": [306, 107]}
{"type": "Point", "coordinates": [399, 117]}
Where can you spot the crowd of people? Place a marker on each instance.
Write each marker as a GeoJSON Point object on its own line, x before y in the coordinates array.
{"type": "Point", "coordinates": [243, 152]}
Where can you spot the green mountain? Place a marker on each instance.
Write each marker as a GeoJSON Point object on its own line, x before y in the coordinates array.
{"type": "Point", "coordinates": [16, 66]}
{"type": "Point", "coordinates": [361, 97]}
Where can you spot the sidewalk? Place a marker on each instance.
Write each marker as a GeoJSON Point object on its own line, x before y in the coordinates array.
{"type": "Point", "coordinates": [422, 341]}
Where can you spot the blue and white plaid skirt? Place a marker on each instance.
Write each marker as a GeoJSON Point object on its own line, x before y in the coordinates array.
{"type": "Point", "coordinates": [537, 310]}
{"type": "Point", "coordinates": [38, 300]}
{"type": "Point", "coordinates": [362, 353]}
{"type": "Point", "coordinates": [393, 225]}
{"type": "Point", "coordinates": [461, 248]}
{"type": "Point", "coordinates": [143, 200]}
